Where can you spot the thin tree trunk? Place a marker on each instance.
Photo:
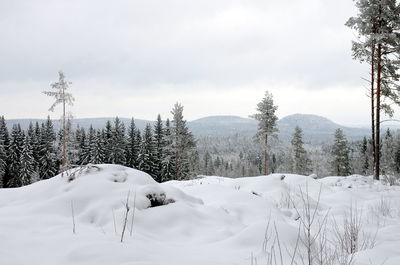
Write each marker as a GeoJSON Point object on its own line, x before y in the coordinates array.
{"type": "Point", "coordinates": [177, 166]}
{"type": "Point", "coordinates": [64, 158]}
{"type": "Point", "coordinates": [378, 112]}
{"type": "Point", "coordinates": [266, 156]}
{"type": "Point", "coordinates": [373, 103]}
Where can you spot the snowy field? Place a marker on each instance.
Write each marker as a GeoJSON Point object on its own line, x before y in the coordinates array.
{"type": "Point", "coordinates": [207, 221]}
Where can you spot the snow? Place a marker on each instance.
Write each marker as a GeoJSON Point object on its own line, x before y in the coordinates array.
{"type": "Point", "coordinates": [210, 220]}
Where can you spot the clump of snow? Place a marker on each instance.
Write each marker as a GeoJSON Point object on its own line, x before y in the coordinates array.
{"type": "Point", "coordinates": [209, 220]}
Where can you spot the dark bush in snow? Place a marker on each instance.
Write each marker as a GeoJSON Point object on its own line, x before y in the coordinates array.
{"type": "Point", "coordinates": [158, 199]}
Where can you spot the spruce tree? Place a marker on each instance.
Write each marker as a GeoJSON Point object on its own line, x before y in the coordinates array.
{"type": "Point", "coordinates": [148, 155]}
{"type": "Point", "coordinates": [14, 156]}
{"type": "Point", "coordinates": [27, 163]}
{"type": "Point", "coordinates": [81, 146]}
{"type": "Point", "coordinates": [208, 167]}
{"type": "Point", "coordinates": [397, 155]}
{"type": "Point", "coordinates": [196, 164]}
{"type": "Point", "coordinates": [168, 166]}
{"type": "Point", "coordinates": [301, 162]}
{"type": "Point", "coordinates": [33, 134]}
{"type": "Point", "coordinates": [340, 155]}
{"type": "Point", "coordinates": [108, 142]}
{"type": "Point", "coordinates": [364, 156]}
{"type": "Point", "coordinates": [133, 146]}
{"type": "Point", "coordinates": [88, 144]}
{"type": "Point", "coordinates": [159, 148]}
{"type": "Point", "coordinates": [267, 123]}
{"type": "Point", "coordinates": [182, 143]}
{"type": "Point", "coordinates": [3, 164]}
{"type": "Point", "coordinates": [388, 157]}
{"type": "Point", "coordinates": [3, 152]}
{"type": "Point", "coordinates": [97, 152]}
{"type": "Point", "coordinates": [118, 146]}
{"type": "Point", "coordinates": [48, 158]}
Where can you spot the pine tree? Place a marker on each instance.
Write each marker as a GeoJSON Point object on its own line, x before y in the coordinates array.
{"type": "Point", "coordinates": [340, 154]}
{"type": "Point", "coordinates": [148, 153]}
{"type": "Point", "coordinates": [159, 146]}
{"type": "Point", "coordinates": [14, 156]}
{"type": "Point", "coordinates": [378, 24]}
{"type": "Point", "coordinates": [27, 163]}
{"type": "Point", "coordinates": [48, 157]}
{"type": "Point", "coordinates": [301, 162]}
{"type": "Point", "coordinates": [267, 123]}
{"type": "Point", "coordinates": [133, 146]}
{"type": "Point", "coordinates": [62, 97]}
{"type": "Point", "coordinates": [182, 143]}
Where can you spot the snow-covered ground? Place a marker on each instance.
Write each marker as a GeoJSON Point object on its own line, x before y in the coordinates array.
{"type": "Point", "coordinates": [208, 221]}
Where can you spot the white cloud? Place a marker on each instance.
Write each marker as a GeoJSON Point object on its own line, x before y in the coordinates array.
{"type": "Point", "coordinates": [136, 58]}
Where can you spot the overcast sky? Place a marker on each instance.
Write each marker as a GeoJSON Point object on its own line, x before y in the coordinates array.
{"type": "Point", "coordinates": [216, 57]}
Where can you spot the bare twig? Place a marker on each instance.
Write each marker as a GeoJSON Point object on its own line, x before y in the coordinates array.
{"type": "Point", "coordinates": [115, 225]}
{"type": "Point", "coordinates": [133, 213]}
{"type": "Point", "coordinates": [73, 217]}
{"type": "Point", "coordinates": [126, 216]}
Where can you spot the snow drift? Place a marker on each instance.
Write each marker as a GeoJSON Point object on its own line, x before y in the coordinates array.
{"type": "Point", "coordinates": [212, 220]}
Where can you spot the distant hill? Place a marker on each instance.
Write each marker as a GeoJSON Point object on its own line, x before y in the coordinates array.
{"type": "Point", "coordinates": [315, 128]}
{"type": "Point", "coordinates": [223, 125]}
{"type": "Point", "coordinates": [97, 123]}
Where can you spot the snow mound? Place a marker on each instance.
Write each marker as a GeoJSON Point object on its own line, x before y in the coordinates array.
{"type": "Point", "coordinates": [210, 220]}
{"type": "Point", "coordinates": [94, 192]}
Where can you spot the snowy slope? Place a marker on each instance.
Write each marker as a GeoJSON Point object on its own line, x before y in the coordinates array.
{"type": "Point", "coordinates": [212, 220]}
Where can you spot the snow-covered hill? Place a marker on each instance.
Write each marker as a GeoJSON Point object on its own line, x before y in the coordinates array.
{"type": "Point", "coordinates": [315, 128]}
{"type": "Point", "coordinates": [210, 220]}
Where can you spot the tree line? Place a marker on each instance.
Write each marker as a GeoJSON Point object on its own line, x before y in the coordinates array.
{"type": "Point", "coordinates": [35, 154]}
{"type": "Point", "coordinates": [165, 151]}
{"type": "Point", "coordinates": [238, 156]}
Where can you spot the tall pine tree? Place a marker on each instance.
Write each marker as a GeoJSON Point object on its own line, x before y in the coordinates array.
{"type": "Point", "coordinates": [266, 123]}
